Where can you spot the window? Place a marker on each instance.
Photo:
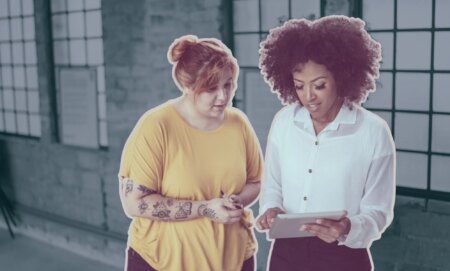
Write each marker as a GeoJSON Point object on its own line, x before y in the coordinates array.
{"type": "Point", "coordinates": [252, 20]}
{"type": "Point", "coordinates": [77, 43]}
{"type": "Point", "coordinates": [413, 92]}
{"type": "Point", "coordinates": [19, 90]}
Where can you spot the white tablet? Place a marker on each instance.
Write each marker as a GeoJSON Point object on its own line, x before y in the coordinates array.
{"type": "Point", "coordinates": [288, 225]}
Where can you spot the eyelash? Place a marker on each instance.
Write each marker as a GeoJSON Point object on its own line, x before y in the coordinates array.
{"type": "Point", "coordinates": [317, 87]}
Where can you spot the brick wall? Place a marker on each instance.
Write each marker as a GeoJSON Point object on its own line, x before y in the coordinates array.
{"type": "Point", "coordinates": [69, 196]}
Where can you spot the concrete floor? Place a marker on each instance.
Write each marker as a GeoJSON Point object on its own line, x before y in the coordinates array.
{"type": "Point", "coordinates": [25, 254]}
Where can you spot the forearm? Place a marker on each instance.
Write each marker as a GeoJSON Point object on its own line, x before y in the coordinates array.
{"type": "Point", "coordinates": [158, 207]}
{"type": "Point", "coordinates": [139, 201]}
{"type": "Point", "coordinates": [249, 193]}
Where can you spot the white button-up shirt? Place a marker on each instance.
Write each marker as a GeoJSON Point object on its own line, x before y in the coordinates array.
{"type": "Point", "coordinates": [349, 165]}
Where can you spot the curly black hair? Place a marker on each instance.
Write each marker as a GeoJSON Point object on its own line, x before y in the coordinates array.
{"type": "Point", "coordinates": [339, 43]}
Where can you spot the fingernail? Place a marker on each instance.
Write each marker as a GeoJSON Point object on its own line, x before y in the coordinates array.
{"type": "Point", "coordinates": [302, 228]}
{"type": "Point", "coordinates": [319, 221]}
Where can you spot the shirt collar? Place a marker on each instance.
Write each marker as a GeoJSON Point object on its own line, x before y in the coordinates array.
{"type": "Point", "coordinates": [345, 116]}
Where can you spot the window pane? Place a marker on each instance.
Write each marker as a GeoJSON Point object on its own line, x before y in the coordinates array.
{"type": "Point", "coordinates": [28, 28]}
{"type": "Point", "coordinates": [413, 50]}
{"type": "Point", "coordinates": [245, 15]}
{"type": "Point", "coordinates": [261, 104]}
{"type": "Point", "coordinates": [102, 106]}
{"type": "Point", "coordinates": [22, 124]}
{"type": "Point", "coordinates": [101, 79]}
{"type": "Point", "coordinates": [412, 91]}
{"type": "Point", "coordinates": [411, 124]}
{"type": "Point", "coordinates": [2, 117]}
{"type": "Point", "coordinates": [59, 26]}
{"type": "Point", "coordinates": [76, 25]}
{"type": "Point", "coordinates": [387, 48]}
{"type": "Point", "coordinates": [30, 53]}
{"type": "Point", "coordinates": [95, 51]}
{"type": "Point", "coordinates": [341, 7]}
{"type": "Point", "coordinates": [35, 125]}
{"type": "Point", "coordinates": [441, 92]}
{"type": "Point", "coordinates": [442, 18]}
{"type": "Point", "coordinates": [77, 52]}
{"type": "Point", "coordinates": [103, 134]}
{"type": "Point", "coordinates": [412, 170]}
{"type": "Point", "coordinates": [246, 48]}
{"type": "Point", "coordinates": [17, 51]}
{"type": "Point", "coordinates": [5, 53]}
{"type": "Point", "coordinates": [19, 77]}
{"type": "Point", "coordinates": [58, 5]}
{"type": "Point", "coordinates": [4, 30]}
{"type": "Point", "coordinates": [27, 7]}
{"type": "Point", "coordinates": [94, 22]}
{"type": "Point", "coordinates": [61, 52]}
{"type": "Point", "coordinates": [75, 5]}
{"type": "Point", "coordinates": [7, 76]}
{"type": "Point", "coordinates": [32, 81]}
{"type": "Point", "coordinates": [16, 29]}
{"type": "Point", "coordinates": [305, 9]}
{"type": "Point", "coordinates": [387, 116]}
{"type": "Point", "coordinates": [8, 99]}
{"type": "Point", "coordinates": [14, 8]}
{"type": "Point", "coordinates": [439, 173]}
{"type": "Point", "coordinates": [379, 14]}
{"type": "Point", "coordinates": [3, 11]}
{"type": "Point", "coordinates": [273, 13]}
{"type": "Point", "coordinates": [441, 134]}
{"type": "Point", "coordinates": [20, 99]}
{"type": "Point", "coordinates": [414, 13]}
{"type": "Point", "coordinates": [382, 97]}
{"type": "Point", "coordinates": [92, 4]}
{"type": "Point", "coordinates": [10, 122]}
{"type": "Point", "coordinates": [441, 50]}
{"type": "Point", "coordinates": [33, 101]}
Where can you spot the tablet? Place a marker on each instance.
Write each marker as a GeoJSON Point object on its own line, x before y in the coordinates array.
{"type": "Point", "coordinates": [288, 225]}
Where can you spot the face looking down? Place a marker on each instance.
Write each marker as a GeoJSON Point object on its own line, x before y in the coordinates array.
{"type": "Point", "coordinates": [316, 89]}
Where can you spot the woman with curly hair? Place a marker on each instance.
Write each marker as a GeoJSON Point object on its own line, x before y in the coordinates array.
{"type": "Point", "coordinates": [325, 152]}
{"type": "Point", "coordinates": [190, 168]}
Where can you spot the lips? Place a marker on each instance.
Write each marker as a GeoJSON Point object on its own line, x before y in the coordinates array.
{"type": "Point", "coordinates": [313, 107]}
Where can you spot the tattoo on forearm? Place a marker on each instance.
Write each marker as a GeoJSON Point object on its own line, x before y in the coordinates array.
{"type": "Point", "coordinates": [145, 191]}
{"type": "Point", "coordinates": [184, 210]}
{"type": "Point", "coordinates": [143, 206]}
{"type": "Point", "coordinates": [160, 210]}
{"type": "Point", "coordinates": [203, 210]}
{"type": "Point", "coordinates": [170, 202]}
{"type": "Point", "coordinates": [128, 186]}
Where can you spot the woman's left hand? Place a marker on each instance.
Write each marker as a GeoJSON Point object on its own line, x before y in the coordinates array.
{"type": "Point", "coordinates": [327, 229]}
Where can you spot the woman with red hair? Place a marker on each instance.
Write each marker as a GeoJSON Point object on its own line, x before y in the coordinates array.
{"type": "Point", "coordinates": [325, 152]}
{"type": "Point", "coordinates": [189, 169]}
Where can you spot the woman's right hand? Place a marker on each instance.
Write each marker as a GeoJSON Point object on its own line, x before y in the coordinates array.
{"type": "Point", "coordinates": [220, 210]}
{"type": "Point", "coordinates": [265, 220]}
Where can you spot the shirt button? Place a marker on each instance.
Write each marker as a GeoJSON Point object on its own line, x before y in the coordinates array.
{"type": "Point", "coordinates": [305, 198]}
{"type": "Point", "coordinates": [316, 143]}
{"type": "Point", "coordinates": [310, 170]}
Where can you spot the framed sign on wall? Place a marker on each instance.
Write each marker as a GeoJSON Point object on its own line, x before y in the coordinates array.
{"type": "Point", "coordinates": [78, 119]}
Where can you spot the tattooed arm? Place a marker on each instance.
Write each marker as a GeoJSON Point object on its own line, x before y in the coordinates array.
{"type": "Point", "coordinates": [139, 201]}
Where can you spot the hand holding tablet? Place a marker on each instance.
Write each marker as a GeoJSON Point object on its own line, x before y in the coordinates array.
{"type": "Point", "coordinates": [288, 225]}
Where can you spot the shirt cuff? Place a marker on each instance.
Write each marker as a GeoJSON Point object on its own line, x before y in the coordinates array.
{"type": "Point", "coordinates": [268, 205]}
{"type": "Point", "coordinates": [351, 239]}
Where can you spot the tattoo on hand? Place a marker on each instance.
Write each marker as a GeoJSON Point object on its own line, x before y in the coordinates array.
{"type": "Point", "coordinates": [145, 191]}
{"type": "Point", "coordinates": [160, 210]}
{"type": "Point", "coordinates": [203, 210]}
{"type": "Point", "coordinates": [143, 206]}
{"type": "Point", "coordinates": [129, 186]}
{"type": "Point", "coordinates": [184, 210]}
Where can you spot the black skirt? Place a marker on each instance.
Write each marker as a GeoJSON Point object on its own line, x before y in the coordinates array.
{"type": "Point", "coordinates": [313, 254]}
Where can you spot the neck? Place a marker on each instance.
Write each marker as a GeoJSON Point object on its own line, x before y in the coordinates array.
{"type": "Point", "coordinates": [196, 119]}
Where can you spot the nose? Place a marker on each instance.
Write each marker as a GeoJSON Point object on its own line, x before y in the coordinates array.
{"type": "Point", "coordinates": [222, 94]}
{"type": "Point", "coordinates": [309, 94]}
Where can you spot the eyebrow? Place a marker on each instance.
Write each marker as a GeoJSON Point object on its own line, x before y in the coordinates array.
{"type": "Point", "coordinates": [312, 81]}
